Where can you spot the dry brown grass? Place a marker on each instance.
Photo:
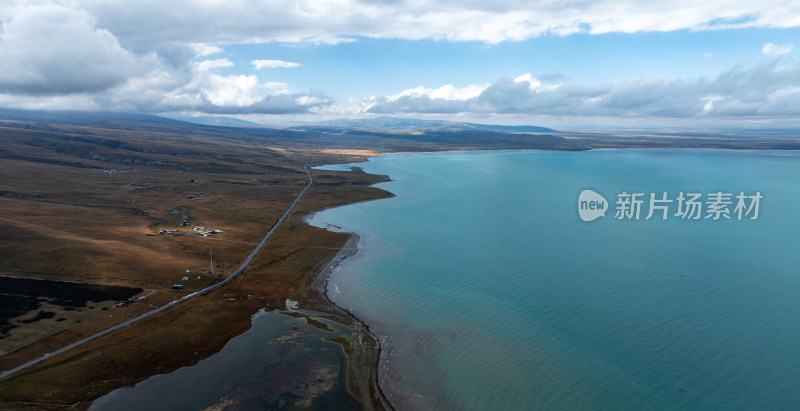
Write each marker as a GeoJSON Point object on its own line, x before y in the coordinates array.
{"type": "Point", "coordinates": [189, 332]}
{"type": "Point", "coordinates": [66, 222]}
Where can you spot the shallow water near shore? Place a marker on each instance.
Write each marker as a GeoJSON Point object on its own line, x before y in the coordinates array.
{"type": "Point", "coordinates": [281, 362]}
{"type": "Point", "coordinates": [488, 291]}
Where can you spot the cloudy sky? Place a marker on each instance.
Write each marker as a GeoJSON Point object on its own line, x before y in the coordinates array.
{"type": "Point", "coordinates": [561, 63]}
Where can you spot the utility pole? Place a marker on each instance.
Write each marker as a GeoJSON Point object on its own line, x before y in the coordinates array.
{"type": "Point", "coordinates": [212, 262]}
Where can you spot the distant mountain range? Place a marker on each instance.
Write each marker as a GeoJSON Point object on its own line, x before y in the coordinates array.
{"type": "Point", "coordinates": [408, 124]}
{"type": "Point", "coordinates": [380, 123]}
{"type": "Point", "coordinates": [393, 134]}
{"type": "Point", "coordinates": [217, 121]}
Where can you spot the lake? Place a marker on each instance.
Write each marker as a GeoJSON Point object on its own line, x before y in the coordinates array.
{"type": "Point", "coordinates": [489, 292]}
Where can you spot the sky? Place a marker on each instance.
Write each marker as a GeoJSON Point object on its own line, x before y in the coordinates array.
{"type": "Point", "coordinates": [556, 63]}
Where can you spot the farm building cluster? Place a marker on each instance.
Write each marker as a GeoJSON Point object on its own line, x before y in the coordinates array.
{"type": "Point", "coordinates": [201, 230]}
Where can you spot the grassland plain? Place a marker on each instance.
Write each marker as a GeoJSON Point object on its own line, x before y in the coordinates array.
{"type": "Point", "coordinates": [87, 204]}
{"type": "Point", "coordinates": [132, 201]}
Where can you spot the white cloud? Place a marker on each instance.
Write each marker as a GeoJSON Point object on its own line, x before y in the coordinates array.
{"type": "Point", "coordinates": [206, 65]}
{"type": "Point", "coordinates": [234, 94]}
{"type": "Point", "coordinates": [774, 49]}
{"type": "Point", "coordinates": [262, 64]}
{"type": "Point", "coordinates": [276, 85]}
{"type": "Point", "coordinates": [446, 92]}
{"type": "Point", "coordinates": [763, 90]}
{"type": "Point", "coordinates": [141, 25]}
{"type": "Point", "coordinates": [710, 100]}
{"type": "Point", "coordinates": [50, 50]}
{"type": "Point", "coordinates": [141, 55]}
{"type": "Point", "coordinates": [61, 57]}
{"type": "Point", "coordinates": [235, 91]}
{"type": "Point", "coordinates": [203, 50]}
{"type": "Point", "coordinates": [70, 102]}
{"type": "Point", "coordinates": [533, 83]}
{"type": "Point", "coordinates": [308, 100]}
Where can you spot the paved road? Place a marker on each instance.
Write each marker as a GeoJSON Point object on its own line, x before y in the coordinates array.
{"type": "Point", "coordinates": [204, 291]}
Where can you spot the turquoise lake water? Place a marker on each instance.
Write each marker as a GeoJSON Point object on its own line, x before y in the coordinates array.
{"type": "Point", "coordinates": [489, 292]}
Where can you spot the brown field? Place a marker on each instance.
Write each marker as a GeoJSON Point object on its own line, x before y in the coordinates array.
{"type": "Point", "coordinates": [72, 208]}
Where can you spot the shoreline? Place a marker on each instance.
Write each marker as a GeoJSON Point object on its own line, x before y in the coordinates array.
{"type": "Point", "coordinates": [365, 354]}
